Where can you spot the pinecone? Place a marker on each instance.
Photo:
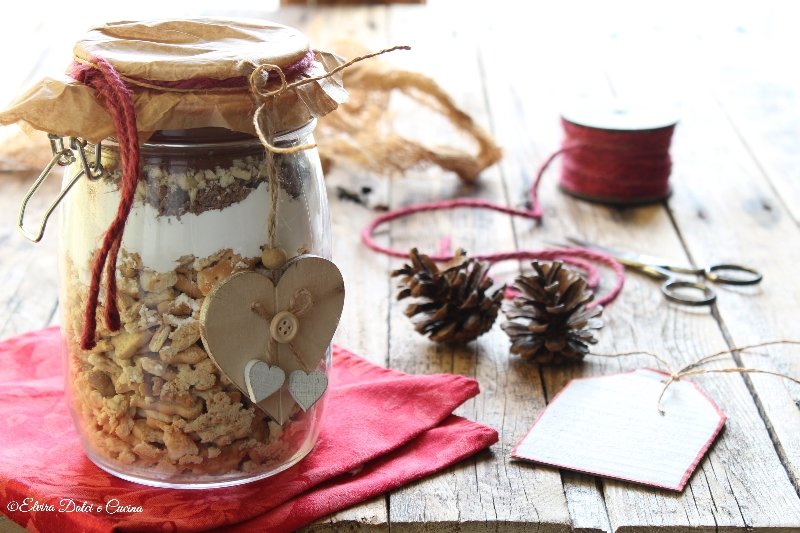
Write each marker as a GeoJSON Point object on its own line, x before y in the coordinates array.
{"type": "Point", "coordinates": [452, 305]}
{"type": "Point", "coordinates": [549, 322]}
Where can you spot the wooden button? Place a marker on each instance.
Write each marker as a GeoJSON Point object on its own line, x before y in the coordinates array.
{"type": "Point", "coordinates": [273, 258]}
{"type": "Point", "coordinates": [284, 327]}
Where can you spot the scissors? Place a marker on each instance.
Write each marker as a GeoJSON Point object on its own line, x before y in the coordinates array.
{"type": "Point", "coordinates": [662, 269]}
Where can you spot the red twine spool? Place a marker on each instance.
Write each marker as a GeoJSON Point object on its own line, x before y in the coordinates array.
{"type": "Point", "coordinates": [616, 166]}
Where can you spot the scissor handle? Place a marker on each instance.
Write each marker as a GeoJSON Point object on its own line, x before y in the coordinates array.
{"type": "Point", "coordinates": [669, 286]}
{"type": "Point", "coordinates": [712, 275]}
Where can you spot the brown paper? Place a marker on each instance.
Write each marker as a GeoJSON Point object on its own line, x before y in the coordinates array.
{"type": "Point", "coordinates": [181, 50]}
{"type": "Point", "coordinates": [172, 50]}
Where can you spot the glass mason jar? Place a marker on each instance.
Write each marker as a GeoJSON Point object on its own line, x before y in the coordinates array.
{"type": "Point", "coordinates": [149, 403]}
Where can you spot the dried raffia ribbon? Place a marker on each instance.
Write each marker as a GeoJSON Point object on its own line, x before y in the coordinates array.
{"type": "Point", "coordinates": [100, 75]}
{"type": "Point", "coordinates": [363, 132]}
{"type": "Point", "coordinates": [692, 370]}
{"type": "Point", "coordinates": [272, 96]}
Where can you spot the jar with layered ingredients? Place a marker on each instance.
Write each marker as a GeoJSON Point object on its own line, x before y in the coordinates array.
{"type": "Point", "coordinates": [206, 362]}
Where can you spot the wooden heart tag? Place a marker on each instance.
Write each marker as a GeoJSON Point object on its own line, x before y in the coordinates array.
{"type": "Point", "coordinates": [288, 325]}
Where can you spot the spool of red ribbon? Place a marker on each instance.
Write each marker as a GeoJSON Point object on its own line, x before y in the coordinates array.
{"type": "Point", "coordinates": [617, 155]}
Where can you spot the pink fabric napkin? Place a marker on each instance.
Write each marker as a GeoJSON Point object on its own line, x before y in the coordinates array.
{"type": "Point", "coordinates": [382, 429]}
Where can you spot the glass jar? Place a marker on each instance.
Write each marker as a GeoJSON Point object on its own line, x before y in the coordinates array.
{"type": "Point", "coordinates": [149, 402]}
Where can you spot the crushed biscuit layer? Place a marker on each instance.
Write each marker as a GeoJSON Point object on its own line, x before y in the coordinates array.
{"type": "Point", "coordinates": [149, 397]}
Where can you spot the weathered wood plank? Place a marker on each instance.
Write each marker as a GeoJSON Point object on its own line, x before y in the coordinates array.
{"type": "Point", "coordinates": [742, 209]}
{"type": "Point", "coordinates": [488, 492]}
{"type": "Point", "coordinates": [29, 292]}
{"type": "Point", "coordinates": [7, 526]}
{"type": "Point", "coordinates": [762, 104]}
{"type": "Point", "coordinates": [585, 501]}
{"type": "Point", "coordinates": [367, 517]}
{"type": "Point", "coordinates": [760, 98]}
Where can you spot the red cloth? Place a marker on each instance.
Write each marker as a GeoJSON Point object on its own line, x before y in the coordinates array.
{"type": "Point", "coordinates": [382, 429]}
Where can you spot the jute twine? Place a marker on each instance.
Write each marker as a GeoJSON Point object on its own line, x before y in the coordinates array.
{"type": "Point", "coordinates": [300, 304]}
{"type": "Point", "coordinates": [692, 370]}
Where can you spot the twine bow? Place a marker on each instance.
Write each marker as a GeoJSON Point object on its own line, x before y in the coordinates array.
{"type": "Point", "coordinates": [300, 304]}
{"type": "Point", "coordinates": [692, 370]}
{"type": "Point", "coordinates": [271, 97]}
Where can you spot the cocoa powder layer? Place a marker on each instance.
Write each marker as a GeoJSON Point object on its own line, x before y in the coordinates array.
{"type": "Point", "coordinates": [174, 201]}
{"type": "Point", "coordinates": [174, 197]}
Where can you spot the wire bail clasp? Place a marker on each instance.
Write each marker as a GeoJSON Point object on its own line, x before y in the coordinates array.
{"type": "Point", "coordinates": [62, 156]}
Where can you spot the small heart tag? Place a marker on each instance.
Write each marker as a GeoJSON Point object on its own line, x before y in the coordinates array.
{"type": "Point", "coordinates": [306, 389]}
{"type": "Point", "coordinates": [262, 380]}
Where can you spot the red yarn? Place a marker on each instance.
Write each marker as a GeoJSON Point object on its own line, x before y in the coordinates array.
{"type": "Point", "coordinates": [119, 103]}
{"type": "Point", "coordinates": [615, 166]}
{"type": "Point", "coordinates": [78, 71]}
{"type": "Point", "coordinates": [573, 256]}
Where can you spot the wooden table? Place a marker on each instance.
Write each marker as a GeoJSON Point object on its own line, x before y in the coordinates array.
{"type": "Point", "coordinates": [736, 198]}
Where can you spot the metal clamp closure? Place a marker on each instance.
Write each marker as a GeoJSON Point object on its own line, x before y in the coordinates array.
{"type": "Point", "coordinates": [62, 156]}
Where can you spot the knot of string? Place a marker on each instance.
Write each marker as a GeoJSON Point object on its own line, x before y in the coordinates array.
{"type": "Point", "coordinates": [269, 98]}
{"type": "Point", "coordinates": [99, 74]}
{"type": "Point", "coordinates": [692, 370]}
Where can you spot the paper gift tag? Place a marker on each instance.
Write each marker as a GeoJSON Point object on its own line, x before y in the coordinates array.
{"type": "Point", "coordinates": [610, 426]}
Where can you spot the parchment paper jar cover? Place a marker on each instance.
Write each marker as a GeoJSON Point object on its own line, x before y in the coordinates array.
{"type": "Point", "coordinates": [154, 402]}
{"type": "Point", "coordinates": [169, 52]}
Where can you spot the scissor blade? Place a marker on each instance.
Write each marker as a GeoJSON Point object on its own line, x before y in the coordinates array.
{"type": "Point", "coordinates": [629, 258]}
{"type": "Point", "coordinates": [659, 261]}
{"type": "Point", "coordinates": [652, 266]}
{"type": "Point", "coordinates": [624, 257]}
